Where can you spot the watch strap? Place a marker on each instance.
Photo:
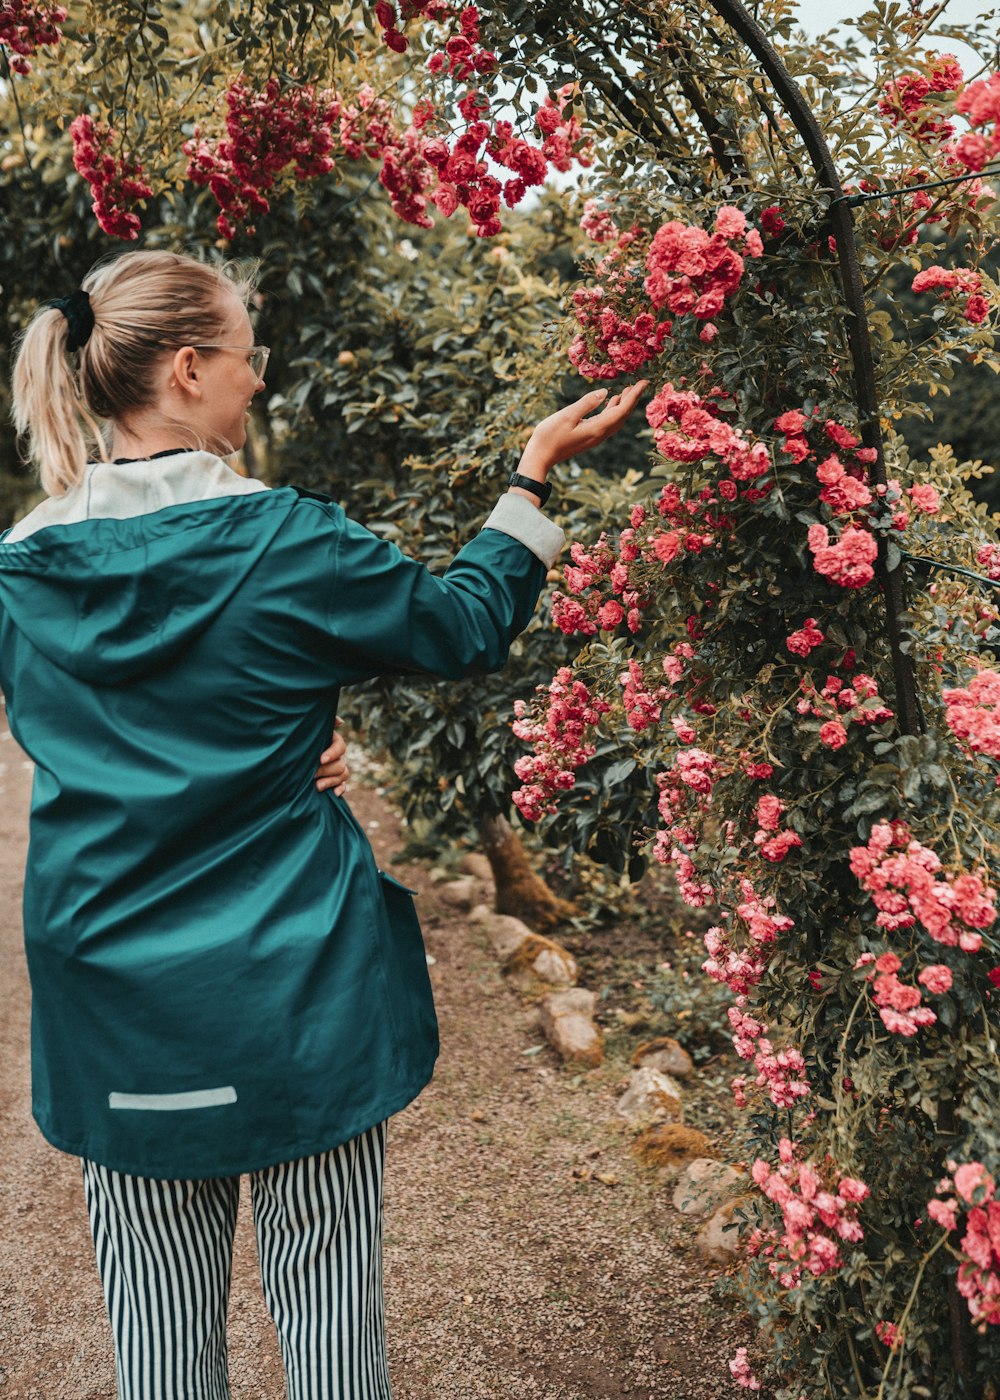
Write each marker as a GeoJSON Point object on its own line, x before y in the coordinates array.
{"type": "Point", "coordinates": [541, 489]}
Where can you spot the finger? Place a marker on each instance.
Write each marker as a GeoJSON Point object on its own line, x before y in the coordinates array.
{"type": "Point", "coordinates": [606, 424]}
{"type": "Point", "coordinates": [332, 772]}
{"type": "Point", "coordinates": [619, 408]}
{"type": "Point", "coordinates": [337, 781]}
{"type": "Point", "coordinates": [339, 791]}
{"type": "Point", "coordinates": [580, 409]}
{"type": "Point", "coordinates": [631, 393]}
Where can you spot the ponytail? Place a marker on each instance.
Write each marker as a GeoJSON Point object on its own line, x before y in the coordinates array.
{"type": "Point", "coordinates": [144, 305]}
{"type": "Point", "coordinates": [49, 411]}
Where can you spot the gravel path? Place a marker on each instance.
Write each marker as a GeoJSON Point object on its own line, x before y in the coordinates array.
{"type": "Point", "coordinates": [511, 1270]}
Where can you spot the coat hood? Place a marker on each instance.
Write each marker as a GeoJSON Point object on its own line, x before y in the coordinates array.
{"type": "Point", "coordinates": [110, 599]}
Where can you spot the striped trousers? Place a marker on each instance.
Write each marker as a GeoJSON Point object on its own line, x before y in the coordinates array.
{"type": "Point", "coordinates": [164, 1254]}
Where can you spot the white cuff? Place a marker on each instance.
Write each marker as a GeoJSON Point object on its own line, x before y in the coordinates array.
{"type": "Point", "coordinates": [517, 517]}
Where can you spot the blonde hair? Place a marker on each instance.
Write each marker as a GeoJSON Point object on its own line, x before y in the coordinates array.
{"type": "Point", "coordinates": [144, 303]}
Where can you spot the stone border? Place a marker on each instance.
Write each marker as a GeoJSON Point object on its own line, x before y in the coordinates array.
{"type": "Point", "coordinates": [652, 1101]}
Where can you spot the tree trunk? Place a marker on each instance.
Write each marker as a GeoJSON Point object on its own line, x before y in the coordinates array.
{"type": "Point", "coordinates": [519, 890]}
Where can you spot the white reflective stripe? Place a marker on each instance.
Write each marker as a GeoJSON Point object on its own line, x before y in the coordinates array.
{"type": "Point", "coordinates": [195, 1098]}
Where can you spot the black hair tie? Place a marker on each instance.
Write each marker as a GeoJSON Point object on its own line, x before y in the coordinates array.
{"type": "Point", "coordinates": [77, 310]}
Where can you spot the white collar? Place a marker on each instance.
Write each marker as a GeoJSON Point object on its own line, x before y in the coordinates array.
{"type": "Point", "coordinates": [119, 490]}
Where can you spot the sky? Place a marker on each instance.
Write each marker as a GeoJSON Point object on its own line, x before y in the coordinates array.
{"type": "Point", "coordinates": [821, 14]}
{"type": "Point", "coordinates": [817, 16]}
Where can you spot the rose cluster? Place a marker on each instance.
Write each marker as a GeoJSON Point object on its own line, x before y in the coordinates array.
{"type": "Point", "coordinates": [564, 138]}
{"type": "Point", "coordinates": [973, 1193]}
{"type": "Point", "coordinates": [740, 962]}
{"type": "Point", "coordinates": [463, 174]}
{"type": "Point", "coordinates": [26, 28]}
{"type": "Point", "coordinates": [688, 271]}
{"type": "Point", "coordinates": [959, 283]}
{"type": "Point", "coordinates": [740, 1371]}
{"type": "Point", "coordinates": [462, 55]}
{"type": "Point", "coordinates": [973, 712]}
{"type": "Point", "coordinates": [390, 18]}
{"type": "Point", "coordinates": [688, 427]}
{"type": "Point", "coordinates": [888, 1334]}
{"type": "Point", "coordinates": [781, 1073]}
{"type": "Point", "coordinates": [839, 704]}
{"type": "Point", "coordinates": [560, 735]}
{"type": "Point", "coordinates": [980, 104]}
{"type": "Point", "coordinates": [913, 206]}
{"type": "Point", "coordinates": [849, 559]}
{"type": "Point", "coordinates": [909, 886]}
{"type": "Point", "coordinates": [619, 345]}
{"type": "Point", "coordinates": [819, 1210]}
{"type": "Point", "coordinates": [695, 272]}
{"type": "Point", "coordinates": [458, 174]}
{"type": "Point", "coordinates": [913, 100]}
{"type": "Point", "coordinates": [601, 589]}
{"type": "Point", "coordinates": [114, 179]}
{"type": "Point", "coordinates": [608, 586]}
{"type": "Point", "coordinates": [922, 105]}
{"type": "Point", "coordinates": [423, 166]}
{"type": "Point", "coordinates": [774, 842]}
{"type": "Point", "coordinates": [685, 791]}
{"type": "Point", "coordinates": [806, 639]}
{"type": "Point", "coordinates": [988, 558]}
{"type": "Point", "coordinates": [643, 706]}
{"type": "Point", "coordinates": [900, 1004]}
{"type": "Point", "coordinates": [267, 131]}
{"type": "Point", "coordinates": [597, 223]}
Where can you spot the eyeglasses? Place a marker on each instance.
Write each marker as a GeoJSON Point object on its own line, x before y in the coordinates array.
{"type": "Point", "coordinates": [257, 355]}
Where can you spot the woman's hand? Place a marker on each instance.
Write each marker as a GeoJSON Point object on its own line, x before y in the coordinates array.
{"type": "Point", "coordinates": [570, 431]}
{"type": "Point", "coordinates": [333, 771]}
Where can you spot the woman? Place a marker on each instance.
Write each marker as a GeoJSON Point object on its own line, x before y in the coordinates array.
{"type": "Point", "coordinates": [222, 980]}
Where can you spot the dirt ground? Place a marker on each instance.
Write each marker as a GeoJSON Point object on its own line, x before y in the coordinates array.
{"type": "Point", "coordinates": [511, 1270]}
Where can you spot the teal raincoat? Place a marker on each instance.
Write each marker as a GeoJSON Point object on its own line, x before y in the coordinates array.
{"type": "Point", "coordinates": [221, 978]}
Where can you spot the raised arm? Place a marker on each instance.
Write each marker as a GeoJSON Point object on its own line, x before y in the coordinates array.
{"type": "Point", "coordinates": [388, 612]}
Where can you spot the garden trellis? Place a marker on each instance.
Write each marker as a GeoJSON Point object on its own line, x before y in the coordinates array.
{"type": "Point", "coordinates": [813, 754]}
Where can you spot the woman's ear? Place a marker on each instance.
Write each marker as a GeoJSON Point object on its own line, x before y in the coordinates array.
{"type": "Point", "coordinates": [185, 371]}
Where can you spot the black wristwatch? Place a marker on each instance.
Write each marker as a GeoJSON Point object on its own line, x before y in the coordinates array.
{"type": "Point", "coordinates": [541, 489]}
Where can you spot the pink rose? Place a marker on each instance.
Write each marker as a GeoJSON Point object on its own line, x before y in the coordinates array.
{"type": "Point", "coordinates": [446, 199]}
{"type": "Point", "coordinates": [925, 498]}
{"type": "Point", "coordinates": [972, 150]}
{"type": "Point", "coordinates": [944, 1213]}
{"type": "Point", "coordinates": [610, 615]}
{"type": "Point", "coordinates": [666, 546]}
{"type": "Point", "coordinates": [833, 734]}
{"type": "Point", "coordinates": [790, 422]}
{"type": "Point", "coordinates": [936, 978]}
{"type": "Point", "coordinates": [972, 1178]}
{"type": "Point", "coordinates": [730, 222]}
